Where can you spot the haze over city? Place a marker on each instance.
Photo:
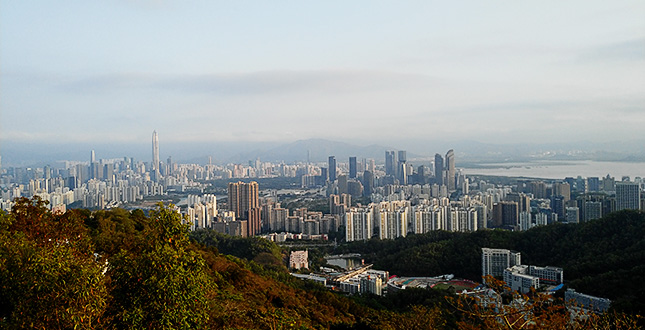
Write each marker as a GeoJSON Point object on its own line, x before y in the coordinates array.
{"type": "Point", "coordinates": [322, 165]}
{"type": "Point", "coordinates": [362, 72]}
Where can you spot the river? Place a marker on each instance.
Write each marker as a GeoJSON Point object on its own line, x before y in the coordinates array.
{"type": "Point", "coordinates": [561, 169]}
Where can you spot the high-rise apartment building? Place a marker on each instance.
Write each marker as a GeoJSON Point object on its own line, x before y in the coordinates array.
{"type": "Point", "coordinates": [358, 225]}
{"type": "Point", "coordinates": [593, 210]}
{"type": "Point", "coordinates": [243, 197]}
{"type": "Point", "coordinates": [538, 189]}
{"type": "Point", "coordinates": [572, 215]}
{"type": "Point", "coordinates": [628, 196]}
{"type": "Point", "coordinates": [593, 184]}
{"type": "Point", "coordinates": [505, 213]}
{"type": "Point", "coordinates": [523, 201]}
{"type": "Point", "coordinates": [562, 189]}
{"type": "Point", "coordinates": [495, 261]}
{"type": "Point", "coordinates": [608, 184]}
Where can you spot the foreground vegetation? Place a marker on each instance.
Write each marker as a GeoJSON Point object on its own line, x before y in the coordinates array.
{"type": "Point", "coordinates": [119, 270]}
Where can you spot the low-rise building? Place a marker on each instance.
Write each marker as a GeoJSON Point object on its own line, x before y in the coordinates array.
{"type": "Point", "coordinates": [548, 274]}
{"type": "Point", "coordinates": [519, 279]}
{"type": "Point", "coordinates": [523, 277]}
{"type": "Point", "coordinates": [585, 301]}
{"type": "Point", "coordinates": [299, 259]}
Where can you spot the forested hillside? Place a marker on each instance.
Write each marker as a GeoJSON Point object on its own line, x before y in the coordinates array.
{"type": "Point", "coordinates": [127, 270]}
{"type": "Point", "coordinates": [604, 257]}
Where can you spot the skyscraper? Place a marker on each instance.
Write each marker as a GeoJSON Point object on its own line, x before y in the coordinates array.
{"type": "Point", "coordinates": [403, 156]}
{"type": "Point", "coordinates": [368, 183]}
{"type": "Point", "coordinates": [438, 169]}
{"type": "Point", "coordinates": [558, 206]}
{"type": "Point", "coordinates": [401, 168]}
{"type": "Point", "coordinates": [332, 168]}
{"type": "Point", "coordinates": [154, 171]}
{"type": "Point", "coordinates": [390, 163]}
{"type": "Point", "coordinates": [505, 213]}
{"type": "Point", "coordinates": [450, 169]}
{"type": "Point", "coordinates": [93, 169]}
{"type": "Point", "coordinates": [628, 195]}
{"type": "Point", "coordinates": [352, 167]}
{"type": "Point", "coordinates": [243, 197]}
{"type": "Point", "coordinates": [403, 173]}
{"type": "Point", "coordinates": [562, 189]}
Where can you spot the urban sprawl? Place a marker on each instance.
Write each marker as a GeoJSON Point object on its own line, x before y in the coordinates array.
{"type": "Point", "coordinates": [364, 199]}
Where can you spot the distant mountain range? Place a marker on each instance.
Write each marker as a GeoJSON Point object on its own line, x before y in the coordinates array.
{"type": "Point", "coordinates": [318, 150]}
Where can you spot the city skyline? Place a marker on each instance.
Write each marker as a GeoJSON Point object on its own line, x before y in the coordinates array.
{"type": "Point", "coordinates": [497, 72]}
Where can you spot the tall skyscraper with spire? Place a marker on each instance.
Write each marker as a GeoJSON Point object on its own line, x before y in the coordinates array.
{"type": "Point", "coordinates": [154, 171]}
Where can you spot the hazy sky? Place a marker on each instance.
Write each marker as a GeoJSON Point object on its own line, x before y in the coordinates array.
{"type": "Point", "coordinates": [494, 71]}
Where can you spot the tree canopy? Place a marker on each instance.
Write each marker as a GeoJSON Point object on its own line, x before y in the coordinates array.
{"type": "Point", "coordinates": [115, 269]}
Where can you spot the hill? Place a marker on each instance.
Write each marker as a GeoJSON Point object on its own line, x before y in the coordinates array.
{"type": "Point", "coordinates": [604, 257]}
{"type": "Point", "coordinates": [126, 270]}
{"type": "Point", "coordinates": [121, 269]}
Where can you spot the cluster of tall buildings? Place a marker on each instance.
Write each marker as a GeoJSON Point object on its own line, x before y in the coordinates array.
{"type": "Point", "coordinates": [94, 184]}
{"type": "Point", "coordinates": [396, 197]}
{"type": "Point", "coordinates": [240, 218]}
{"type": "Point", "coordinates": [361, 179]}
{"type": "Point", "coordinates": [246, 214]}
{"type": "Point", "coordinates": [276, 219]}
{"type": "Point", "coordinates": [581, 199]}
{"type": "Point", "coordinates": [444, 173]}
{"type": "Point", "coordinates": [389, 220]}
{"type": "Point", "coordinates": [416, 208]}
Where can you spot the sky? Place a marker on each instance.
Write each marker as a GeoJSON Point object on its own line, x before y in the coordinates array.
{"type": "Point", "coordinates": [360, 71]}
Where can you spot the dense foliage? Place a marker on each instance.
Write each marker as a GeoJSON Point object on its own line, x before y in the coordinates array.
{"type": "Point", "coordinates": [605, 257]}
{"type": "Point", "coordinates": [117, 269]}
{"type": "Point", "coordinates": [123, 270]}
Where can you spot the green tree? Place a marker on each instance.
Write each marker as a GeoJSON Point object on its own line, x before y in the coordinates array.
{"type": "Point", "coordinates": [49, 278]}
{"type": "Point", "coordinates": [162, 283]}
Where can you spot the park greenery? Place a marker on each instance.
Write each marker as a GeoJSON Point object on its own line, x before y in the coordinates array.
{"type": "Point", "coordinates": [118, 269]}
